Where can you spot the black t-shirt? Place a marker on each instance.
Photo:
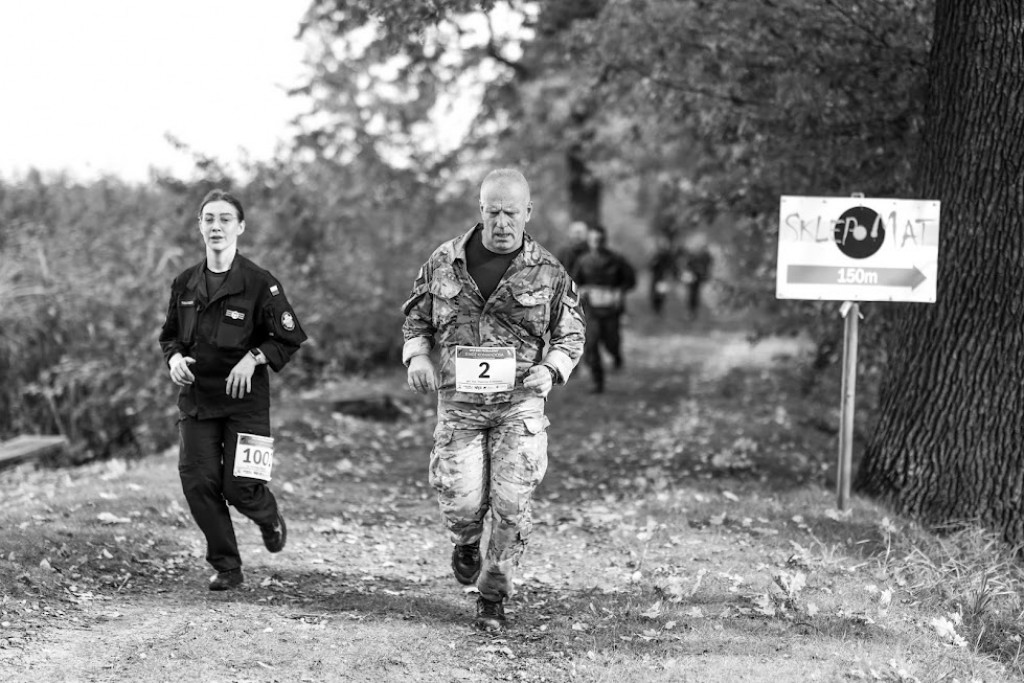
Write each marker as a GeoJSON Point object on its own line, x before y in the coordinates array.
{"type": "Point", "coordinates": [485, 266]}
{"type": "Point", "coordinates": [214, 281]}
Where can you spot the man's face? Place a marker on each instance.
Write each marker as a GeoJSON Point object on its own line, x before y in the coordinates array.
{"type": "Point", "coordinates": [595, 240]}
{"type": "Point", "coordinates": [578, 232]}
{"type": "Point", "coordinates": [504, 210]}
{"type": "Point", "coordinates": [220, 226]}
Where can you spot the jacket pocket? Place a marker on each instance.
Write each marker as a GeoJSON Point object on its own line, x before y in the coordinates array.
{"type": "Point", "coordinates": [536, 425]}
{"type": "Point", "coordinates": [235, 325]}
{"type": "Point", "coordinates": [444, 293]}
{"type": "Point", "coordinates": [532, 310]}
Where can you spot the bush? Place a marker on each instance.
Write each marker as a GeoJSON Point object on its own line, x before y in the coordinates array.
{"type": "Point", "coordinates": [87, 267]}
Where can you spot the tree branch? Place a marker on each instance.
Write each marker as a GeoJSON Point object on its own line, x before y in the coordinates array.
{"type": "Point", "coordinates": [492, 51]}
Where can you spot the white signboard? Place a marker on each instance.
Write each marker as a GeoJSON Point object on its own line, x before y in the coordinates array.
{"type": "Point", "coordinates": [858, 249]}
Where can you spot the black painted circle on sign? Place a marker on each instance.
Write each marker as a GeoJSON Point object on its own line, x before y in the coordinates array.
{"type": "Point", "coordinates": [859, 232]}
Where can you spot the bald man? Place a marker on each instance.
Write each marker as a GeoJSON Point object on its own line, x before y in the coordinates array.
{"type": "Point", "coordinates": [507, 324]}
{"type": "Point", "coordinates": [576, 246]}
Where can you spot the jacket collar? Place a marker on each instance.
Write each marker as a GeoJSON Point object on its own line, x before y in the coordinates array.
{"type": "Point", "coordinates": [233, 284]}
{"type": "Point", "coordinates": [457, 251]}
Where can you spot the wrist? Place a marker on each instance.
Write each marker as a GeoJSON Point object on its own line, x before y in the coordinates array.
{"type": "Point", "coordinates": [257, 355]}
{"type": "Point", "coordinates": [554, 373]}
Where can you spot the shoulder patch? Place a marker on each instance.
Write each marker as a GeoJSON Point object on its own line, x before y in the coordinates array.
{"type": "Point", "coordinates": [572, 297]}
{"type": "Point", "coordinates": [288, 321]}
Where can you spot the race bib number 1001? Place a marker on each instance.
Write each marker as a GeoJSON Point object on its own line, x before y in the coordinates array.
{"type": "Point", "coordinates": [485, 369]}
{"type": "Point", "coordinates": [254, 456]}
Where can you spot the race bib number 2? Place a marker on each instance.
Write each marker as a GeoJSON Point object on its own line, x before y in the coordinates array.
{"type": "Point", "coordinates": [485, 369]}
{"type": "Point", "coordinates": [254, 456]}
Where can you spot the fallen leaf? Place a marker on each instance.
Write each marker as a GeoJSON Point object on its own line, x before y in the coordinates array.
{"type": "Point", "coordinates": [653, 612]}
{"type": "Point", "coordinates": [946, 632]}
{"type": "Point", "coordinates": [110, 518]}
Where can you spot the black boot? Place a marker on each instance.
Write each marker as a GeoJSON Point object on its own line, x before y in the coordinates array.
{"type": "Point", "coordinates": [226, 580]}
{"type": "Point", "coordinates": [466, 563]}
{"type": "Point", "coordinates": [275, 535]}
{"type": "Point", "coordinates": [490, 615]}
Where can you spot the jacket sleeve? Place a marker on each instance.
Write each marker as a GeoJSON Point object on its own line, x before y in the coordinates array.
{"type": "Point", "coordinates": [418, 328]}
{"type": "Point", "coordinates": [279, 333]}
{"type": "Point", "coordinates": [169, 343]}
{"type": "Point", "coordinates": [567, 328]}
{"type": "Point", "coordinates": [576, 273]}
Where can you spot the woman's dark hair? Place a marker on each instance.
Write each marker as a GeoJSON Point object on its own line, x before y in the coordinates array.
{"type": "Point", "coordinates": [222, 196]}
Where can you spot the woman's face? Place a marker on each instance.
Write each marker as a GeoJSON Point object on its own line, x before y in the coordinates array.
{"type": "Point", "coordinates": [219, 225]}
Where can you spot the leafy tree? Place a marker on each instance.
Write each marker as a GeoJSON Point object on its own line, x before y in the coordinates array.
{"type": "Point", "coordinates": [952, 409]}
{"type": "Point", "coordinates": [706, 112]}
{"type": "Point", "coordinates": [383, 75]}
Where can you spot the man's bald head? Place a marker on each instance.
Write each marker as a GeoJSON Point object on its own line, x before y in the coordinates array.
{"type": "Point", "coordinates": [509, 177]}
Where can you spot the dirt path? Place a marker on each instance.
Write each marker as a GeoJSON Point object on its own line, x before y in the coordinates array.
{"type": "Point", "coordinates": [656, 525]}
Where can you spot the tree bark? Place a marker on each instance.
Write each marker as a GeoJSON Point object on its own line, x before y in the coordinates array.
{"type": "Point", "coordinates": [949, 445]}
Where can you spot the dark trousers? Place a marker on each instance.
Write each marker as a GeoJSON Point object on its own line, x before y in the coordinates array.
{"type": "Point", "coordinates": [205, 463]}
{"type": "Point", "coordinates": [693, 297]}
{"type": "Point", "coordinates": [657, 298]}
{"type": "Point", "coordinates": [602, 331]}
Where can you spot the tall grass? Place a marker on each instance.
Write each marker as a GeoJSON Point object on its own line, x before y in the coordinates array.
{"type": "Point", "coordinates": [85, 278]}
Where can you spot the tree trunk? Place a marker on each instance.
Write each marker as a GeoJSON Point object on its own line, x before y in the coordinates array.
{"type": "Point", "coordinates": [950, 437]}
{"type": "Point", "coordinates": [584, 189]}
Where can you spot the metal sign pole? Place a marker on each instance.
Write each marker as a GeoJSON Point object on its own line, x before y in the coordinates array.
{"type": "Point", "coordinates": [850, 250]}
{"type": "Point", "coordinates": [851, 312]}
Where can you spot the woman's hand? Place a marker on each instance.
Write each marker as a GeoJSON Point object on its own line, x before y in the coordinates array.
{"type": "Point", "coordinates": [239, 382]}
{"type": "Point", "coordinates": [178, 367]}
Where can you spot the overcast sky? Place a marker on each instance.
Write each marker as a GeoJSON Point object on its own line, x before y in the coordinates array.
{"type": "Point", "coordinates": [93, 86]}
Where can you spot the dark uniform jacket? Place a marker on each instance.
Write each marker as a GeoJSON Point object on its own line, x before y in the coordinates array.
{"type": "Point", "coordinates": [602, 272]}
{"type": "Point", "coordinates": [569, 254]}
{"type": "Point", "coordinates": [249, 311]}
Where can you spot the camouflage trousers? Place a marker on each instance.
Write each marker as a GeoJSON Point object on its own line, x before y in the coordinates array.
{"type": "Point", "coordinates": [490, 458]}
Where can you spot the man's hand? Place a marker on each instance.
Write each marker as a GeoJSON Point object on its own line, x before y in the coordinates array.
{"type": "Point", "coordinates": [239, 382]}
{"type": "Point", "coordinates": [422, 376]}
{"type": "Point", "coordinates": [539, 379]}
{"type": "Point", "coordinates": [178, 367]}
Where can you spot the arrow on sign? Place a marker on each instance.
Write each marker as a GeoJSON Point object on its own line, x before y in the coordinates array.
{"type": "Point", "coordinates": [835, 275]}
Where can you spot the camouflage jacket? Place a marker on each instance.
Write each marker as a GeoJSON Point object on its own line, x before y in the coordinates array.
{"type": "Point", "coordinates": [535, 309]}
